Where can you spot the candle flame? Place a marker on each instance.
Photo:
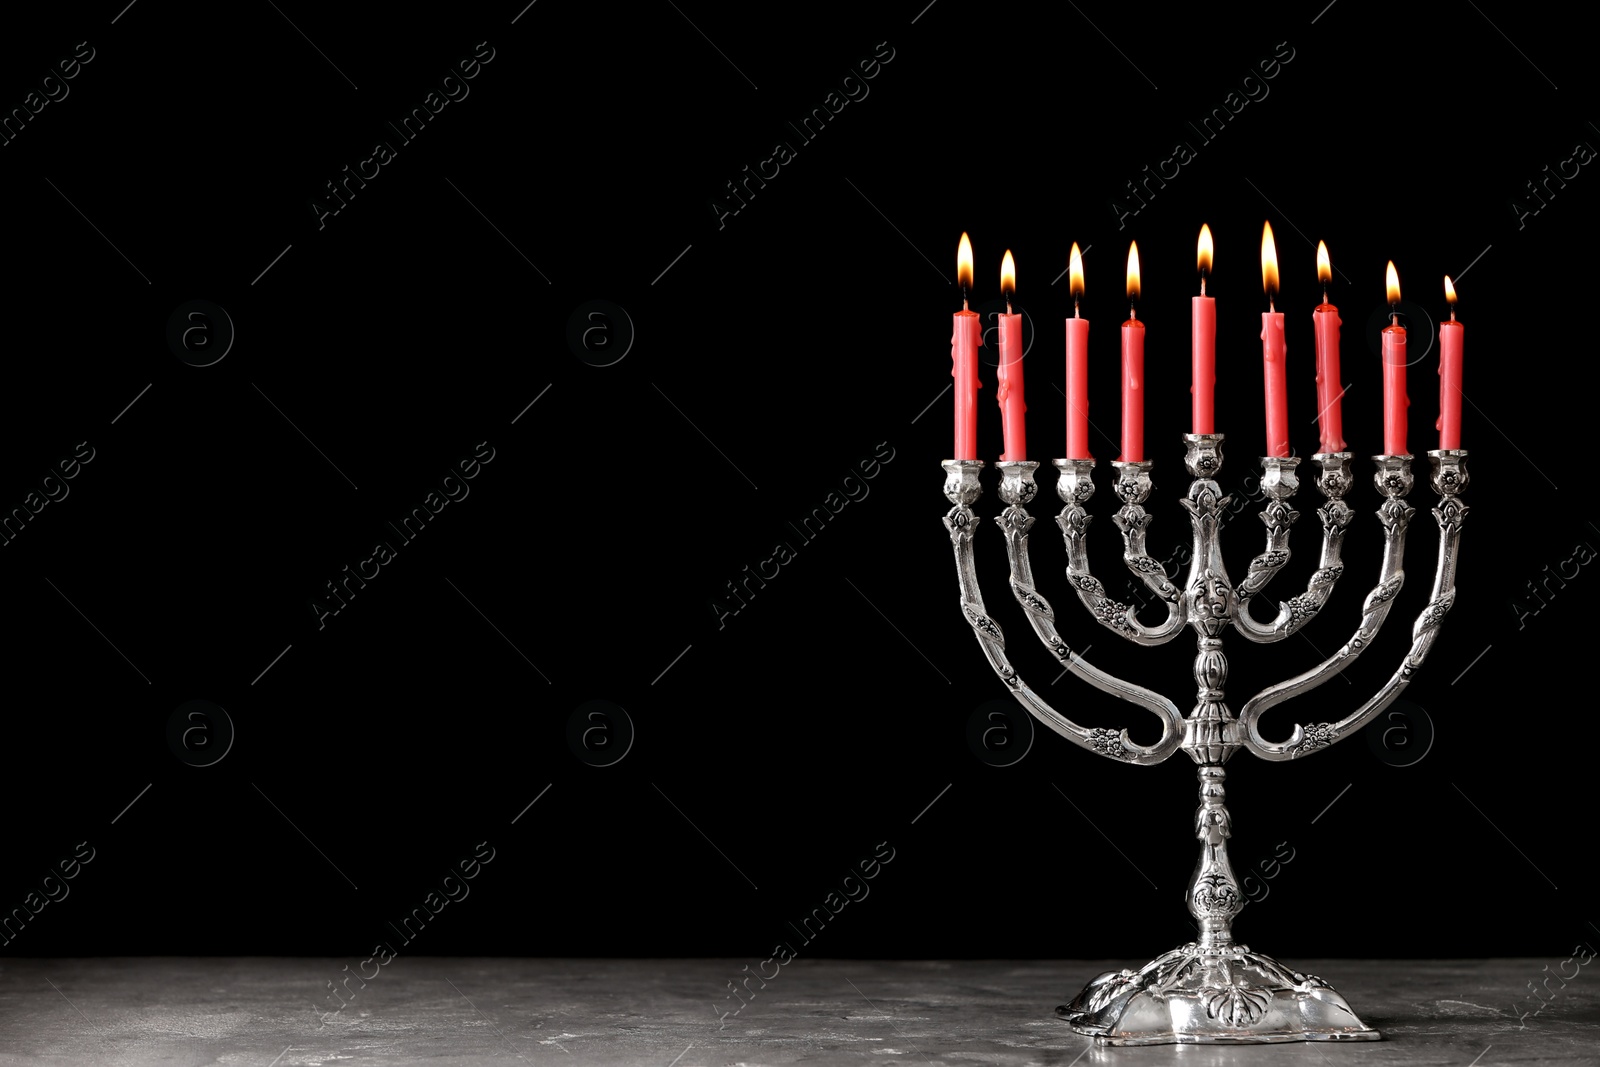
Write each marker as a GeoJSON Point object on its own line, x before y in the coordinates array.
{"type": "Point", "coordinates": [1204, 253]}
{"type": "Point", "coordinates": [1391, 280]}
{"type": "Point", "coordinates": [1075, 271]}
{"type": "Point", "coordinates": [1269, 261]}
{"type": "Point", "coordinates": [1450, 291]}
{"type": "Point", "coordinates": [1324, 265]}
{"type": "Point", "coordinates": [1008, 276]}
{"type": "Point", "coordinates": [964, 264]}
{"type": "Point", "coordinates": [1133, 271]}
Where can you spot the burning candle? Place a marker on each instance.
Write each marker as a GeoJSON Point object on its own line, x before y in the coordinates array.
{"type": "Point", "coordinates": [1203, 342]}
{"type": "Point", "coordinates": [1077, 367]}
{"type": "Point", "coordinates": [1325, 320]}
{"type": "Point", "coordinates": [1450, 335]}
{"type": "Point", "coordinates": [1133, 367]}
{"type": "Point", "coordinates": [1395, 400]}
{"type": "Point", "coordinates": [1272, 352]}
{"type": "Point", "coordinates": [965, 340]}
{"type": "Point", "coordinates": [1009, 374]}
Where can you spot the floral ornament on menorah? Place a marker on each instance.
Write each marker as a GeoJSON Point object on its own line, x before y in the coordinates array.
{"type": "Point", "coordinates": [1213, 990]}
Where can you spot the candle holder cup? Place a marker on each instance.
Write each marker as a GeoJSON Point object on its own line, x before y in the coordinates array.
{"type": "Point", "coordinates": [1214, 989]}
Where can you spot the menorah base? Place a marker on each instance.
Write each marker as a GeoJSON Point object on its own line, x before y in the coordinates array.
{"type": "Point", "coordinates": [1212, 996]}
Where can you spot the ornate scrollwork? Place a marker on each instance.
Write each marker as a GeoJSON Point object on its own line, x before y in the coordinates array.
{"type": "Point", "coordinates": [1132, 517]}
{"type": "Point", "coordinates": [1278, 517]}
{"type": "Point", "coordinates": [1327, 576]}
{"type": "Point", "coordinates": [1280, 974]}
{"type": "Point", "coordinates": [1335, 515]}
{"type": "Point", "coordinates": [1395, 514]}
{"type": "Point", "coordinates": [1015, 520]}
{"type": "Point", "coordinates": [959, 522]}
{"type": "Point", "coordinates": [984, 625]}
{"type": "Point", "coordinates": [1385, 590]}
{"type": "Point", "coordinates": [1434, 613]}
{"type": "Point", "coordinates": [1269, 561]}
{"type": "Point", "coordinates": [1205, 500]}
{"type": "Point", "coordinates": [1087, 582]}
{"type": "Point", "coordinates": [1303, 608]}
{"type": "Point", "coordinates": [1200, 993]}
{"type": "Point", "coordinates": [1211, 602]}
{"type": "Point", "coordinates": [1315, 736]}
{"type": "Point", "coordinates": [1216, 894]}
{"type": "Point", "coordinates": [1236, 1006]}
{"type": "Point", "coordinates": [1108, 742]}
{"type": "Point", "coordinates": [1031, 600]}
{"type": "Point", "coordinates": [1074, 522]}
{"type": "Point", "coordinates": [1450, 514]}
{"type": "Point", "coordinates": [1114, 615]}
{"type": "Point", "coordinates": [1107, 988]}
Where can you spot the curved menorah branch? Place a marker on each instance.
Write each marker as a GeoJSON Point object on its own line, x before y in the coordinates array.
{"type": "Point", "coordinates": [1075, 487]}
{"type": "Point", "coordinates": [1394, 480]}
{"type": "Point", "coordinates": [962, 489]}
{"type": "Point", "coordinates": [1017, 487]}
{"type": "Point", "coordinates": [1279, 482]}
{"type": "Point", "coordinates": [1395, 515]}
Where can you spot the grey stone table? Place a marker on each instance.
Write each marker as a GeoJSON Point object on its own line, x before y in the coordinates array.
{"type": "Point", "coordinates": [270, 1012]}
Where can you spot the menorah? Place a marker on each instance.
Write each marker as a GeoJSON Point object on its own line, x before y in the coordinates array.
{"type": "Point", "coordinates": [1214, 990]}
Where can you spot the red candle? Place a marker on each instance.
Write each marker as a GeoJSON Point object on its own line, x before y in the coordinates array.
{"type": "Point", "coordinates": [1203, 342]}
{"type": "Point", "coordinates": [1272, 352]}
{"type": "Point", "coordinates": [1077, 367]}
{"type": "Point", "coordinates": [965, 341]}
{"type": "Point", "coordinates": [1450, 374]}
{"type": "Point", "coordinates": [1325, 319]}
{"type": "Point", "coordinates": [1009, 374]}
{"type": "Point", "coordinates": [1395, 401]}
{"type": "Point", "coordinates": [1133, 367]}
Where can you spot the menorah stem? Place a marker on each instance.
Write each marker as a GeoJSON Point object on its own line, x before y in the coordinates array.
{"type": "Point", "coordinates": [1212, 990]}
{"type": "Point", "coordinates": [1214, 896]}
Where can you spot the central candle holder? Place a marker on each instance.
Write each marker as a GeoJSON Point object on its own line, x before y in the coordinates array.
{"type": "Point", "coordinates": [1215, 989]}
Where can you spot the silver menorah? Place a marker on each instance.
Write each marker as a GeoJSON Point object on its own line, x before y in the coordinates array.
{"type": "Point", "coordinates": [1214, 990]}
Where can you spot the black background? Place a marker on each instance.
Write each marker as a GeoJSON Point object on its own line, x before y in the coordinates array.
{"type": "Point", "coordinates": [778, 746]}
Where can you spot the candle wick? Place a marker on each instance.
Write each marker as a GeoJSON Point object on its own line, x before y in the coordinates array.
{"type": "Point", "coordinates": [1324, 294]}
{"type": "Point", "coordinates": [1008, 307]}
{"type": "Point", "coordinates": [964, 300]}
{"type": "Point", "coordinates": [1202, 284]}
{"type": "Point", "coordinates": [1271, 307]}
{"type": "Point", "coordinates": [1452, 313]}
